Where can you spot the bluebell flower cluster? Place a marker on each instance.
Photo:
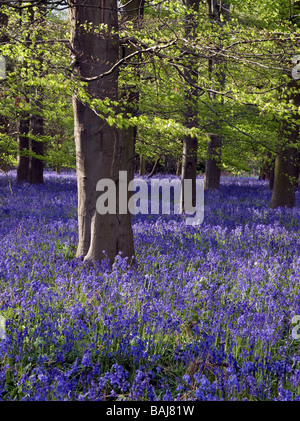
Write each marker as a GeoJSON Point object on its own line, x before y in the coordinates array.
{"type": "Point", "coordinates": [206, 314]}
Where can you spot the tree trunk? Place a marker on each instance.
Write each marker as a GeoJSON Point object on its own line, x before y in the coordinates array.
{"type": "Point", "coordinates": [24, 122]}
{"type": "Point", "coordinates": [100, 148]}
{"type": "Point", "coordinates": [215, 10]}
{"type": "Point", "coordinates": [212, 168]}
{"type": "Point", "coordinates": [272, 175]}
{"type": "Point", "coordinates": [23, 148]}
{"type": "Point", "coordinates": [142, 165]}
{"type": "Point", "coordinates": [190, 144]}
{"type": "Point", "coordinates": [285, 182]}
{"type": "Point", "coordinates": [287, 159]}
{"type": "Point", "coordinates": [178, 167]}
{"type": "Point", "coordinates": [153, 171]}
{"type": "Point", "coordinates": [134, 12]}
{"type": "Point", "coordinates": [267, 168]}
{"type": "Point", "coordinates": [36, 165]}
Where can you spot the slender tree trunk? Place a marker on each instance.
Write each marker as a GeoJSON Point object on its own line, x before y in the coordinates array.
{"type": "Point", "coordinates": [215, 10]}
{"type": "Point", "coordinates": [153, 171]}
{"type": "Point", "coordinates": [190, 144]}
{"type": "Point", "coordinates": [266, 169]}
{"type": "Point", "coordinates": [23, 145]}
{"type": "Point", "coordinates": [272, 175]}
{"type": "Point", "coordinates": [24, 122]}
{"type": "Point", "coordinates": [36, 165]}
{"type": "Point", "coordinates": [100, 148]}
{"type": "Point", "coordinates": [142, 165]}
{"type": "Point", "coordinates": [178, 167]}
{"type": "Point", "coordinates": [134, 12]}
{"type": "Point", "coordinates": [264, 173]}
{"type": "Point", "coordinates": [212, 167]}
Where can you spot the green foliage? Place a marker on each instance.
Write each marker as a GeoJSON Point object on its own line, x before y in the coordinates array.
{"type": "Point", "coordinates": [253, 50]}
{"type": "Point", "coordinates": [37, 62]}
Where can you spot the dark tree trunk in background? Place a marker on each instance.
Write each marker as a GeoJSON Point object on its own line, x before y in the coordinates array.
{"type": "Point", "coordinates": [178, 167]}
{"type": "Point", "coordinates": [24, 123]}
{"type": "Point", "coordinates": [23, 144]}
{"type": "Point", "coordinates": [142, 170]}
{"type": "Point", "coordinates": [215, 10]}
{"type": "Point", "coordinates": [100, 149]}
{"type": "Point", "coordinates": [272, 175]}
{"type": "Point", "coordinates": [287, 157]}
{"type": "Point", "coordinates": [134, 12]}
{"type": "Point", "coordinates": [36, 165]}
{"type": "Point", "coordinates": [267, 170]}
{"type": "Point", "coordinates": [153, 171]}
{"type": "Point", "coordinates": [212, 166]}
{"type": "Point", "coordinates": [36, 145]}
{"type": "Point", "coordinates": [286, 171]}
{"type": "Point", "coordinates": [190, 144]}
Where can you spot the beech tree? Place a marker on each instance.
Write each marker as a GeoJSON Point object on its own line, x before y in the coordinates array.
{"type": "Point", "coordinates": [31, 125]}
{"type": "Point", "coordinates": [218, 14]}
{"type": "Point", "coordinates": [23, 145]}
{"type": "Point", "coordinates": [190, 143]}
{"type": "Point", "coordinates": [287, 162]}
{"type": "Point", "coordinates": [100, 149]}
{"type": "Point", "coordinates": [287, 157]}
{"type": "Point", "coordinates": [36, 165]}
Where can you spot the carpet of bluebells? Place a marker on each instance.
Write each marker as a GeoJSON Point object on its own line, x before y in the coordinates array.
{"type": "Point", "coordinates": [206, 314]}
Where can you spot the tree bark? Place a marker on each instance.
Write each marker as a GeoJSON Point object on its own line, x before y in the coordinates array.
{"type": "Point", "coordinates": [213, 162]}
{"type": "Point", "coordinates": [153, 171]}
{"type": "Point", "coordinates": [215, 10]}
{"type": "Point", "coordinates": [36, 145]}
{"type": "Point", "coordinates": [134, 12]}
{"type": "Point", "coordinates": [190, 144]}
{"type": "Point", "coordinates": [23, 145]}
{"type": "Point", "coordinates": [36, 165]}
{"type": "Point", "coordinates": [287, 157]}
{"type": "Point", "coordinates": [178, 167]}
{"type": "Point", "coordinates": [267, 168]}
{"type": "Point", "coordinates": [100, 148]}
{"type": "Point", "coordinates": [142, 170]}
{"type": "Point", "coordinates": [272, 175]}
{"type": "Point", "coordinates": [24, 123]}
{"type": "Point", "coordinates": [286, 171]}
